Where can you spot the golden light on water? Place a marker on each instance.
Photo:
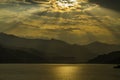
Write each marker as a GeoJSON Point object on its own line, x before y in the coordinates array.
{"type": "Point", "coordinates": [66, 72]}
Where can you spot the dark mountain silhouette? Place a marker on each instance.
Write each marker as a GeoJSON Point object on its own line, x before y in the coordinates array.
{"type": "Point", "coordinates": [111, 58]}
{"type": "Point", "coordinates": [112, 4]}
{"type": "Point", "coordinates": [8, 55]}
{"type": "Point", "coordinates": [52, 50]}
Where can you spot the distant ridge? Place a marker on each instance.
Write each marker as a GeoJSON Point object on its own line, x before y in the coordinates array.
{"type": "Point", "coordinates": [55, 50]}
{"type": "Point", "coordinates": [111, 58]}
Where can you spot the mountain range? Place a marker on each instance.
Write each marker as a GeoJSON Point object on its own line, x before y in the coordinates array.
{"type": "Point", "coordinates": [26, 50]}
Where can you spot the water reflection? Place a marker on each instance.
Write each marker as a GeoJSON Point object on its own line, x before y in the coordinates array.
{"type": "Point", "coordinates": [58, 72]}
{"type": "Point", "coordinates": [66, 72]}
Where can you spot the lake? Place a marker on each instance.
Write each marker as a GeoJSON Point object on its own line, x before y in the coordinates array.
{"type": "Point", "coordinates": [58, 72]}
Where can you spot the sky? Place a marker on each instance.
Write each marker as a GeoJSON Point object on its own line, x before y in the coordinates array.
{"type": "Point", "coordinates": [81, 24]}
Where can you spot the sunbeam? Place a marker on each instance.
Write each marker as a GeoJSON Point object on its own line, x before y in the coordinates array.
{"type": "Point", "coordinates": [81, 23]}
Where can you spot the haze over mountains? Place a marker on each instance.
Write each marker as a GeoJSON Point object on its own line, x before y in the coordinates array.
{"type": "Point", "coordinates": [52, 50]}
{"type": "Point", "coordinates": [51, 35]}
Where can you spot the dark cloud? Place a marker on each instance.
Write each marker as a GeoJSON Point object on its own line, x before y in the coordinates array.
{"type": "Point", "coordinates": [112, 4]}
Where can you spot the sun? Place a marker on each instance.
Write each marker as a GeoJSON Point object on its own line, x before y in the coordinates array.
{"type": "Point", "coordinates": [63, 5]}
{"type": "Point", "coordinates": [66, 3]}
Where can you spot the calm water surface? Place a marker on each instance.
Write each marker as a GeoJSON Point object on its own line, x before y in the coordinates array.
{"type": "Point", "coordinates": [58, 72]}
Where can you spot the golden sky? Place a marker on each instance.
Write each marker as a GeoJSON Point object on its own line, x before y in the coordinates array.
{"type": "Point", "coordinates": [82, 25]}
